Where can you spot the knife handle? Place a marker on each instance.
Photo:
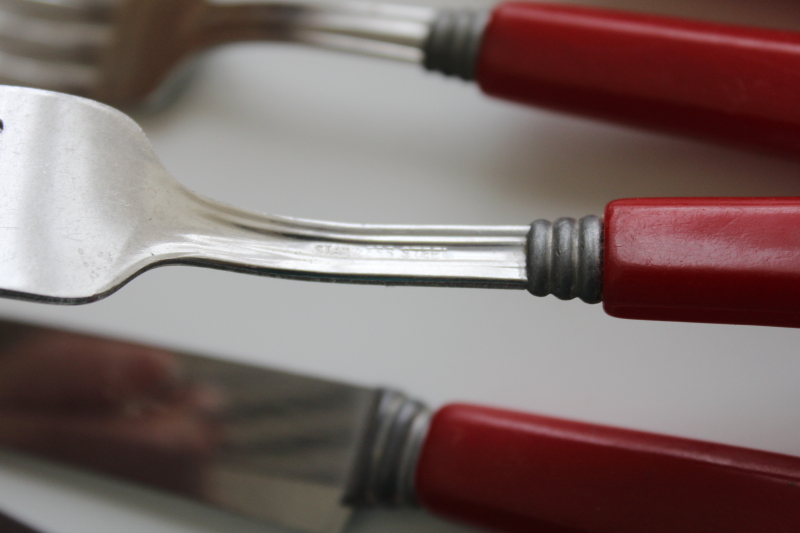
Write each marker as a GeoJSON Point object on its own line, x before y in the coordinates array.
{"type": "Point", "coordinates": [718, 260]}
{"type": "Point", "coordinates": [732, 84]}
{"type": "Point", "coordinates": [518, 472]}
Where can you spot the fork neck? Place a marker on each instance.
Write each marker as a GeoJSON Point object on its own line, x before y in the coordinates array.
{"type": "Point", "coordinates": [443, 40]}
{"type": "Point", "coordinates": [222, 236]}
{"type": "Point", "coordinates": [155, 36]}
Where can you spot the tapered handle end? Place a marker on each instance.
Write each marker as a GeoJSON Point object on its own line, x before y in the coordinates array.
{"type": "Point", "coordinates": [717, 260]}
{"type": "Point", "coordinates": [730, 84]}
{"type": "Point", "coordinates": [518, 472]}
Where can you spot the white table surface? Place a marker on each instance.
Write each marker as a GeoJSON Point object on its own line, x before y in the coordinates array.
{"type": "Point", "coordinates": [312, 134]}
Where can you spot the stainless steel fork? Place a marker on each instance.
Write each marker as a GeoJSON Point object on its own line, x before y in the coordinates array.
{"type": "Point", "coordinates": [85, 205]}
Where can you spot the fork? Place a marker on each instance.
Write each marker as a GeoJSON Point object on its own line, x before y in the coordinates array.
{"type": "Point", "coordinates": [731, 84]}
{"type": "Point", "coordinates": [85, 205]}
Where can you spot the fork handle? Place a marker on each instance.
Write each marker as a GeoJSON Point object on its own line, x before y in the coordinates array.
{"type": "Point", "coordinates": [713, 260]}
{"type": "Point", "coordinates": [519, 472]}
{"type": "Point", "coordinates": [726, 83]}
{"type": "Point", "coordinates": [719, 260]}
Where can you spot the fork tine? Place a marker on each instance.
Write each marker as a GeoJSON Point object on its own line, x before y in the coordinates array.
{"type": "Point", "coordinates": [45, 39]}
{"type": "Point", "coordinates": [90, 10]}
{"type": "Point", "coordinates": [59, 76]}
{"type": "Point", "coordinates": [54, 44]}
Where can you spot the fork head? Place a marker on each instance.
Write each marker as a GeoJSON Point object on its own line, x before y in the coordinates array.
{"type": "Point", "coordinates": [122, 52]}
{"type": "Point", "coordinates": [83, 197]}
{"type": "Point", "coordinates": [137, 53]}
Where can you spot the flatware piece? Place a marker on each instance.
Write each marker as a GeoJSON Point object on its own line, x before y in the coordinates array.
{"type": "Point", "coordinates": [725, 83]}
{"type": "Point", "coordinates": [85, 206]}
{"type": "Point", "coordinates": [304, 452]}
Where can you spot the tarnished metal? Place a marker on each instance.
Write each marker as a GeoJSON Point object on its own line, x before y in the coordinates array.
{"type": "Point", "coordinates": [85, 205]}
{"type": "Point", "coordinates": [122, 51]}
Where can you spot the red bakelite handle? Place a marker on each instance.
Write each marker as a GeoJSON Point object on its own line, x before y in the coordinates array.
{"type": "Point", "coordinates": [732, 84]}
{"type": "Point", "coordinates": [525, 473]}
{"type": "Point", "coordinates": [720, 260]}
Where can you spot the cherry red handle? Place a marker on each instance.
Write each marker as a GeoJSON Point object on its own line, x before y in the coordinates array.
{"type": "Point", "coordinates": [720, 260]}
{"type": "Point", "coordinates": [524, 473]}
{"type": "Point", "coordinates": [725, 83]}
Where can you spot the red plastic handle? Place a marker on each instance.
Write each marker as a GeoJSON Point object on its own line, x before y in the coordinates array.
{"type": "Point", "coordinates": [525, 473]}
{"type": "Point", "coordinates": [732, 84]}
{"type": "Point", "coordinates": [720, 260]}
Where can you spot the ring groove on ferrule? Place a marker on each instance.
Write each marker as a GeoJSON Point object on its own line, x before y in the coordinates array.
{"type": "Point", "coordinates": [388, 460]}
{"type": "Point", "coordinates": [454, 41]}
{"type": "Point", "coordinates": [565, 258]}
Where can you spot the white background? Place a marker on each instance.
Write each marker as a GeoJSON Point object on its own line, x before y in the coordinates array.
{"type": "Point", "coordinates": [284, 130]}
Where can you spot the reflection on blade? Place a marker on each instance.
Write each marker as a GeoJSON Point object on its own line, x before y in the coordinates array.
{"type": "Point", "coordinates": [288, 443]}
{"type": "Point", "coordinates": [267, 444]}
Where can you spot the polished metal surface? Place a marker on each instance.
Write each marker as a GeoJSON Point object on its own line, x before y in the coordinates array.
{"type": "Point", "coordinates": [286, 444]}
{"type": "Point", "coordinates": [270, 445]}
{"type": "Point", "coordinates": [122, 51]}
{"type": "Point", "coordinates": [85, 205]}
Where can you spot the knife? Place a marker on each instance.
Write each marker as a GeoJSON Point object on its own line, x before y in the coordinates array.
{"type": "Point", "coordinates": [304, 453]}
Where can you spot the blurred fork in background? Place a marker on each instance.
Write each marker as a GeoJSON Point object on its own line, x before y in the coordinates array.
{"type": "Point", "coordinates": [725, 83]}
{"type": "Point", "coordinates": [55, 44]}
{"type": "Point", "coordinates": [125, 52]}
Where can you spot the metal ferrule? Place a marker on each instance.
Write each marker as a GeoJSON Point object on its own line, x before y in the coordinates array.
{"type": "Point", "coordinates": [565, 258]}
{"type": "Point", "coordinates": [385, 469]}
{"type": "Point", "coordinates": [453, 43]}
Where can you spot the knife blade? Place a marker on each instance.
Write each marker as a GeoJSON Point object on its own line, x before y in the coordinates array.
{"type": "Point", "coordinates": [293, 450]}
{"type": "Point", "coordinates": [304, 452]}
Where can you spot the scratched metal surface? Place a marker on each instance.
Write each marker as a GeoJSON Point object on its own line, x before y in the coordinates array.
{"type": "Point", "coordinates": [311, 134]}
